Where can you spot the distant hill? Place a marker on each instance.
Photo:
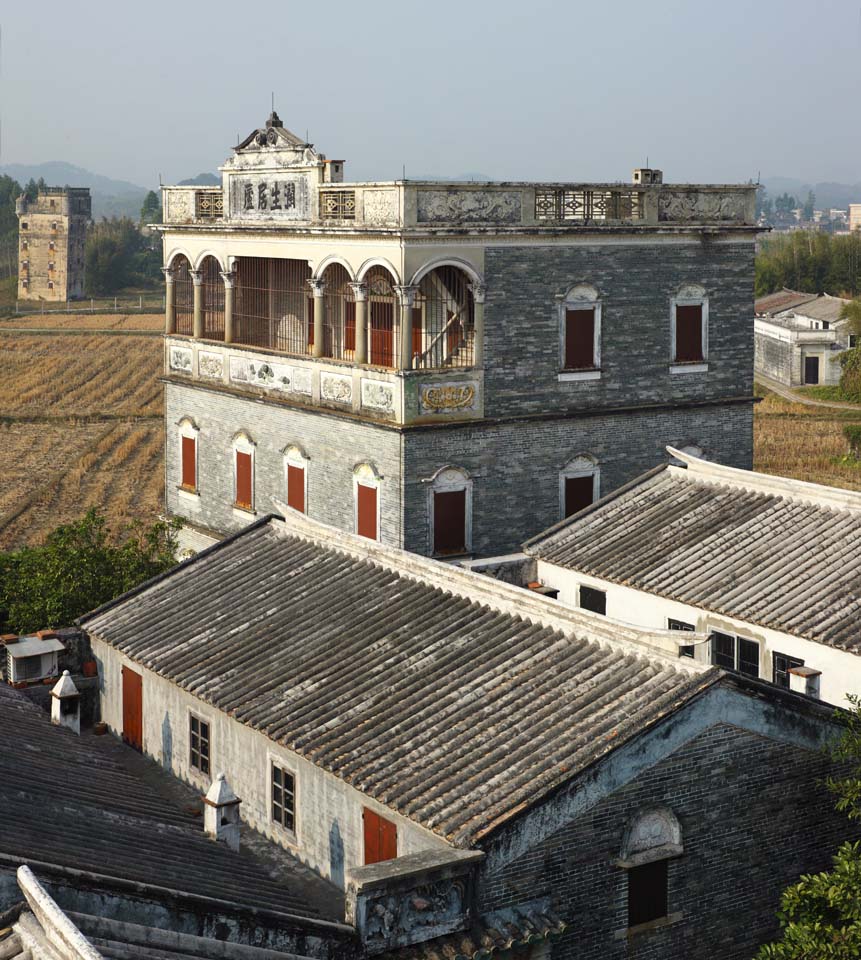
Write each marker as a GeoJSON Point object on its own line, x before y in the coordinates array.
{"type": "Point", "coordinates": [201, 180]}
{"type": "Point", "coordinates": [828, 194]}
{"type": "Point", "coordinates": [111, 198]}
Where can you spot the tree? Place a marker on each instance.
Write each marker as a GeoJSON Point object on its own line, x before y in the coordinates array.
{"type": "Point", "coordinates": [820, 916]}
{"type": "Point", "coordinates": [852, 312]}
{"type": "Point", "coordinates": [807, 210]}
{"type": "Point", "coordinates": [151, 209]}
{"type": "Point", "coordinates": [79, 567]}
{"type": "Point", "coordinates": [119, 256]}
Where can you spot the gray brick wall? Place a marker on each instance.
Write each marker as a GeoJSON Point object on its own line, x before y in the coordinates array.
{"type": "Point", "coordinates": [754, 817]}
{"type": "Point", "coordinates": [635, 283]}
{"type": "Point", "coordinates": [515, 466]}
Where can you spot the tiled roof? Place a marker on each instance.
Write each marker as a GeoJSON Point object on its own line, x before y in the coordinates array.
{"type": "Point", "coordinates": [449, 711]}
{"type": "Point", "coordinates": [782, 300]}
{"type": "Point", "coordinates": [823, 308]}
{"type": "Point", "coordinates": [779, 553]}
{"type": "Point", "coordinates": [66, 802]}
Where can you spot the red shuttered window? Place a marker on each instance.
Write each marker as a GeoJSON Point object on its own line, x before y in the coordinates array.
{"type": "Point", "coordinates": [189, 463]}
{"type": "Point", "coordinates": [243, 480]}
{"type": "Point", "coordinates": [381, 837]}
{"type": "Point", "coordinates": [349, 325]}
{"type": "Point", "coordinates": [580, 339]}
{"type": "Point", "coordinates": [689, 333]}
{"type": "Point", "coordinates": [366, 511]}
{"type": "Point", "coordinates": [296, 487]}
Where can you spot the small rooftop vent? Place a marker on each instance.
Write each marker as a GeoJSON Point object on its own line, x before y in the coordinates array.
{"type": "Point", "coordinates": [648, 175]}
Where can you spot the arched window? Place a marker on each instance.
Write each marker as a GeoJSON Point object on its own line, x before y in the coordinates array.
{"type": "Point", "coordinates": [243, 472]}
{"type": "Point", "coordinates": [212, 294]}
{"type": "Point", "coordinates": [444, 320]}
{"type": "Point", "coordinates": [366, 501]}
{"type": "Point", "coordinates": [273, 304]}
{"type": "Point", "coordinates": [296, 478]}
{"type": "Point", "coordinates": [579, 484]}
{"type": "Point", "coordinates": [689, 323]}
{"type": "Point", "coordinates": [184, 295]}
{"type": "Point", "coordinates": [653, 837]}
{"type": "Point", "coordinates": [188, 436]}
{"type": "Point", "coordinates": [450, 512]}
{"type": "Point", "coordinates": [580, 334]}
{"type": "Point", "coordinates": [382, 310]}
{"type": "Point", "coordinates": [339, 324]}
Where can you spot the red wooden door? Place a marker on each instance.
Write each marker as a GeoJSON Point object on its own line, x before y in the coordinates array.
{"type": "Point", "coordinates": [381, 837]}
{"type": "Point", "coordinates": [132, 708]}
{"type": "Point", "coordinates": [449, 522]}
{"type": "Point", "coordinates": [189, 468]}
{"type": "Point", "coordinates": [366, 511]}
{"type": "Point", "coordinates": [243, 480]}
{"type": "Point", "coordinates": [296, 487]}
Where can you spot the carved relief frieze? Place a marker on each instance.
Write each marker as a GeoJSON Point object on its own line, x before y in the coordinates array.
{"type": "Point", "coordinates": [378, 395]}
{"type": "Point", "coordinates": [682, 205]}
{"type": "Point", "coordinates": [257, 373]}
{"type": "Point", "coordinates": [178, 206]}
{"type": "Point", "coordinates": [447, 397]}
{"type": "Point", "coordinates": [302, 381]}
{"type": "Point", "coordinates": [410, 916]}
{"type": "Point", "coordinates": [468, 206]}
{"type": "Point", "coordinates": [335, 388]}
{"type": "Point", "coordinates": [380, 206]}
{"type": "Point", "coordinates": [263, 196]}
{"type": "Point", "coordinates": [181, 358]}
{"type": "Point", "coordinates": [210, 365]}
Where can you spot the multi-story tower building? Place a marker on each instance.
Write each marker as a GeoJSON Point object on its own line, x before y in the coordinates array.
{"type": "Point", "coordinates": [52, 230]}
{"type": "Point", "coordinates": [448, 367]}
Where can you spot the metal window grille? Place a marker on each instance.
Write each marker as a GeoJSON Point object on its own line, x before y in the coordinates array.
{"type": "Point", "coordinates": [273, 304]}
{"type": "Point", "coordinates": [212, 294]}
{"type": "Point", "coordinates": [558, 203]}
{"type": "Point", "coordinates": [208, 205]}
{"type": "Point", "coordinates": [184, 293]}
{"type": "Point", "coordinates": [444, 320]}
{"type": "Point", "coordinates": [382, 309]}
{"type": "Point", "coordinates": [337, 204]}
{"type": "Point", "coordinates": [199, 744]}
{"type": "Point", "coordinates": [283, 798]}
{"type": "Point", "coordinates": [339, 326]}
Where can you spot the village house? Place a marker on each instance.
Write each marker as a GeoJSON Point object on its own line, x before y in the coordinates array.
{"type": "Point", "coordinates": [755, 573]}
{"type": "Point", "coordinates": [52, 231]}
{"type": "Point", "coordinates": [444, 367]}
{"type": "Point", "coordinates": [479, 767]}
{"type": "Point", "coordinates": [799, 338]}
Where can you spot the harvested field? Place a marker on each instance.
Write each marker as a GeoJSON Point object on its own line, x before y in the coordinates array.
{"type": "Point", "coordinates": [795, 440]}
{"type": "Point", "coordinates": [80, 376]}
{"type": "Point", "coordinates": [153, 322]}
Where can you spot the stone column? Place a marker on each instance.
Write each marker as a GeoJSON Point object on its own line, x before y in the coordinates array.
{"type": "Point", "coordinates": [229, 278]}
{"type": "Point", "coordinates": [318, 288]}
{"type": "Point", "coordinates": [478, 291]}
{"type": "Point", "coordinates": [407, 296]}
{"type": "Point", "coordinates": [197, 327]}
{"type": "Point", "coordinates": [360, 295]}
{"type": "Point", "coordinates": [169, 299]}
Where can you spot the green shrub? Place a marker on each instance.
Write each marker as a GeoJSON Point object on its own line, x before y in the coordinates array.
{"type": "Point", "coordinates": [852, 432]}
{"type": "Point", "coordinates": [850, 378]}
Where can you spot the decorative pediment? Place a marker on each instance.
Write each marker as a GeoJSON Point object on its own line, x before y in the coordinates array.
{"type": "Point", "coordinates": [273, 144]}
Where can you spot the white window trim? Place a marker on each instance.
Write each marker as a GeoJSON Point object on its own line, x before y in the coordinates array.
{"type": "Point", "coordinates": [365, 475]}
{"type": "Point", "coordinates": [580, 297]}
{"type": "Point", "coordinates": [294, 456]}
{"type": "Point", "coordinates": [242, 443]}
{"type": "Point", "coordinates": [196, 771]}
{"type": "Point", "coordinates": [690, 296]}
{"type": "Point", "coordinates": [450, 480]}
{"type": "Point", "coordinates": [582, 466]}
{"type": "Point", "coordinates": [290, 837]}
{"type": "Point", "coordinates": [188, 428]}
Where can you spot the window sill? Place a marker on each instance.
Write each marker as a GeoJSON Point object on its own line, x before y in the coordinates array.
{"type": "Point", "coordinates": [186, 493]}
{"type": "Point", "coordinates": [244, 509]}
{"type": "Point", "coordinates": [572, 376]}
{"type": "Point", "coordinates": [697, 366]}
{"type": "Point", "coordinates": [658, 924]}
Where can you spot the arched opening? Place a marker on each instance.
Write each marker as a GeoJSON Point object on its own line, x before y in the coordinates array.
{"type": "Point", "coordinates": [212, 296]}
{"type": "Point", "coordinates": [339, 327]}
{"type": "Point", "coordinates": [382, 308]}
{"type": "Point", "coordinates": [579, 485]}
{"type": "Point", "coordinates": [444, 320]}
{"type": "Point", "coordinates": [450, 512]}
{"type": "Point", "coordinates": [274, 307]}
{"type": "Point", "coordinates": [184, 295]}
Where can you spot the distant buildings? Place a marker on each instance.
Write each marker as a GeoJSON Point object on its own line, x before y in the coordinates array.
{"type": "Point", "coordinates": [855, 216]}
{"type": "Point", "coordinates": [52, 231]}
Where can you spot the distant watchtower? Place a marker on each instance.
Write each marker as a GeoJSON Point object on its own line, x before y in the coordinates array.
{"type": "Point", "coordinates": [52, 230]}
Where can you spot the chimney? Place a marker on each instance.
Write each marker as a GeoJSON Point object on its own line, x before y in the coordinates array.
{"type": "Point", "coordinates": [805, 680]}
{"type": "Point", "coordinates": [66, 704]}
{"type": "Point", "coordinates": [221, 812]}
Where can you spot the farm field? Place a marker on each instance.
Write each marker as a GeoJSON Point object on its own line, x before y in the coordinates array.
{"type": "Point", "coordinates": [150, 322]}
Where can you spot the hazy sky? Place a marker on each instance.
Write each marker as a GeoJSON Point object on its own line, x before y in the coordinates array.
{"type": "Point", "coordinates": [515, 89]}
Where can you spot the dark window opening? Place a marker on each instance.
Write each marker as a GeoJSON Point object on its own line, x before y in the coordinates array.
{"type": "Point", "coordinates": [782, 664]}
{"type": "Point", "coordinates": [296, 487]}
{"type": "Point", "coordinates": [735, 653]}
{"type": "Point", "coordinates": [283, 798]}
{"type": "Point", "coordinates": [449, 522]}
{"type": "Point", "coordinates": [594, 600]}
{"type": "Point", "coordinates": [580, 339]}
{"type": "Point", "coordinates": [199, 744]}
{"type": "Point", "coordinates": [647, 892]}
{"type": "Point", "coordinates": [685, 651]}
{"type": "Point", "coordinates": [748, 657]}
{"type": "Point", "coordinates": [579, 493]}
{"type": "Point", "coordinates": [689, 333]}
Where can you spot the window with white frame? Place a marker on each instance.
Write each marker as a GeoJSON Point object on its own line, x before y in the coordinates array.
{"type": "Point", "coordinates": [366, 501]}
{"type": "Point", "coordinates": [243, 472]}
{"type": "Point", "coordinates": [450, 512]}
{"type": "Point", "coordinates": [580, 333]}
{"type": "Point", "coordinates": [689, 322]}
{"type": "Point", "coordinates": [296, 478]}
{"type": "Point", "coordinates": [652, 840]}
{"type": "Point", "coordinates": [283, 795]}
{"type": "Point", "coordinates": [188, 435]}
{"type": "Point", "coordinates": [198, 743]}
{"type": "Point", "coordinates": [735, 653]}
{"type": "Point", "coordinates": [579, 485]}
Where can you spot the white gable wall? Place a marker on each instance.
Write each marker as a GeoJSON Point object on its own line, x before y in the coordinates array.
{"type": "Point", "coordinates": [841, 670]}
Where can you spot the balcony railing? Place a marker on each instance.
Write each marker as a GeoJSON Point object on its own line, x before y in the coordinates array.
{"type": "Point", "coordinates": [209, 204]}
{"type": "Point", "coordinates": [561, 203]}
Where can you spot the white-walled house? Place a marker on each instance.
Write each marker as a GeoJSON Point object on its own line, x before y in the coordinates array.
{"type": "Point", "coordinates": [763, 572]}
